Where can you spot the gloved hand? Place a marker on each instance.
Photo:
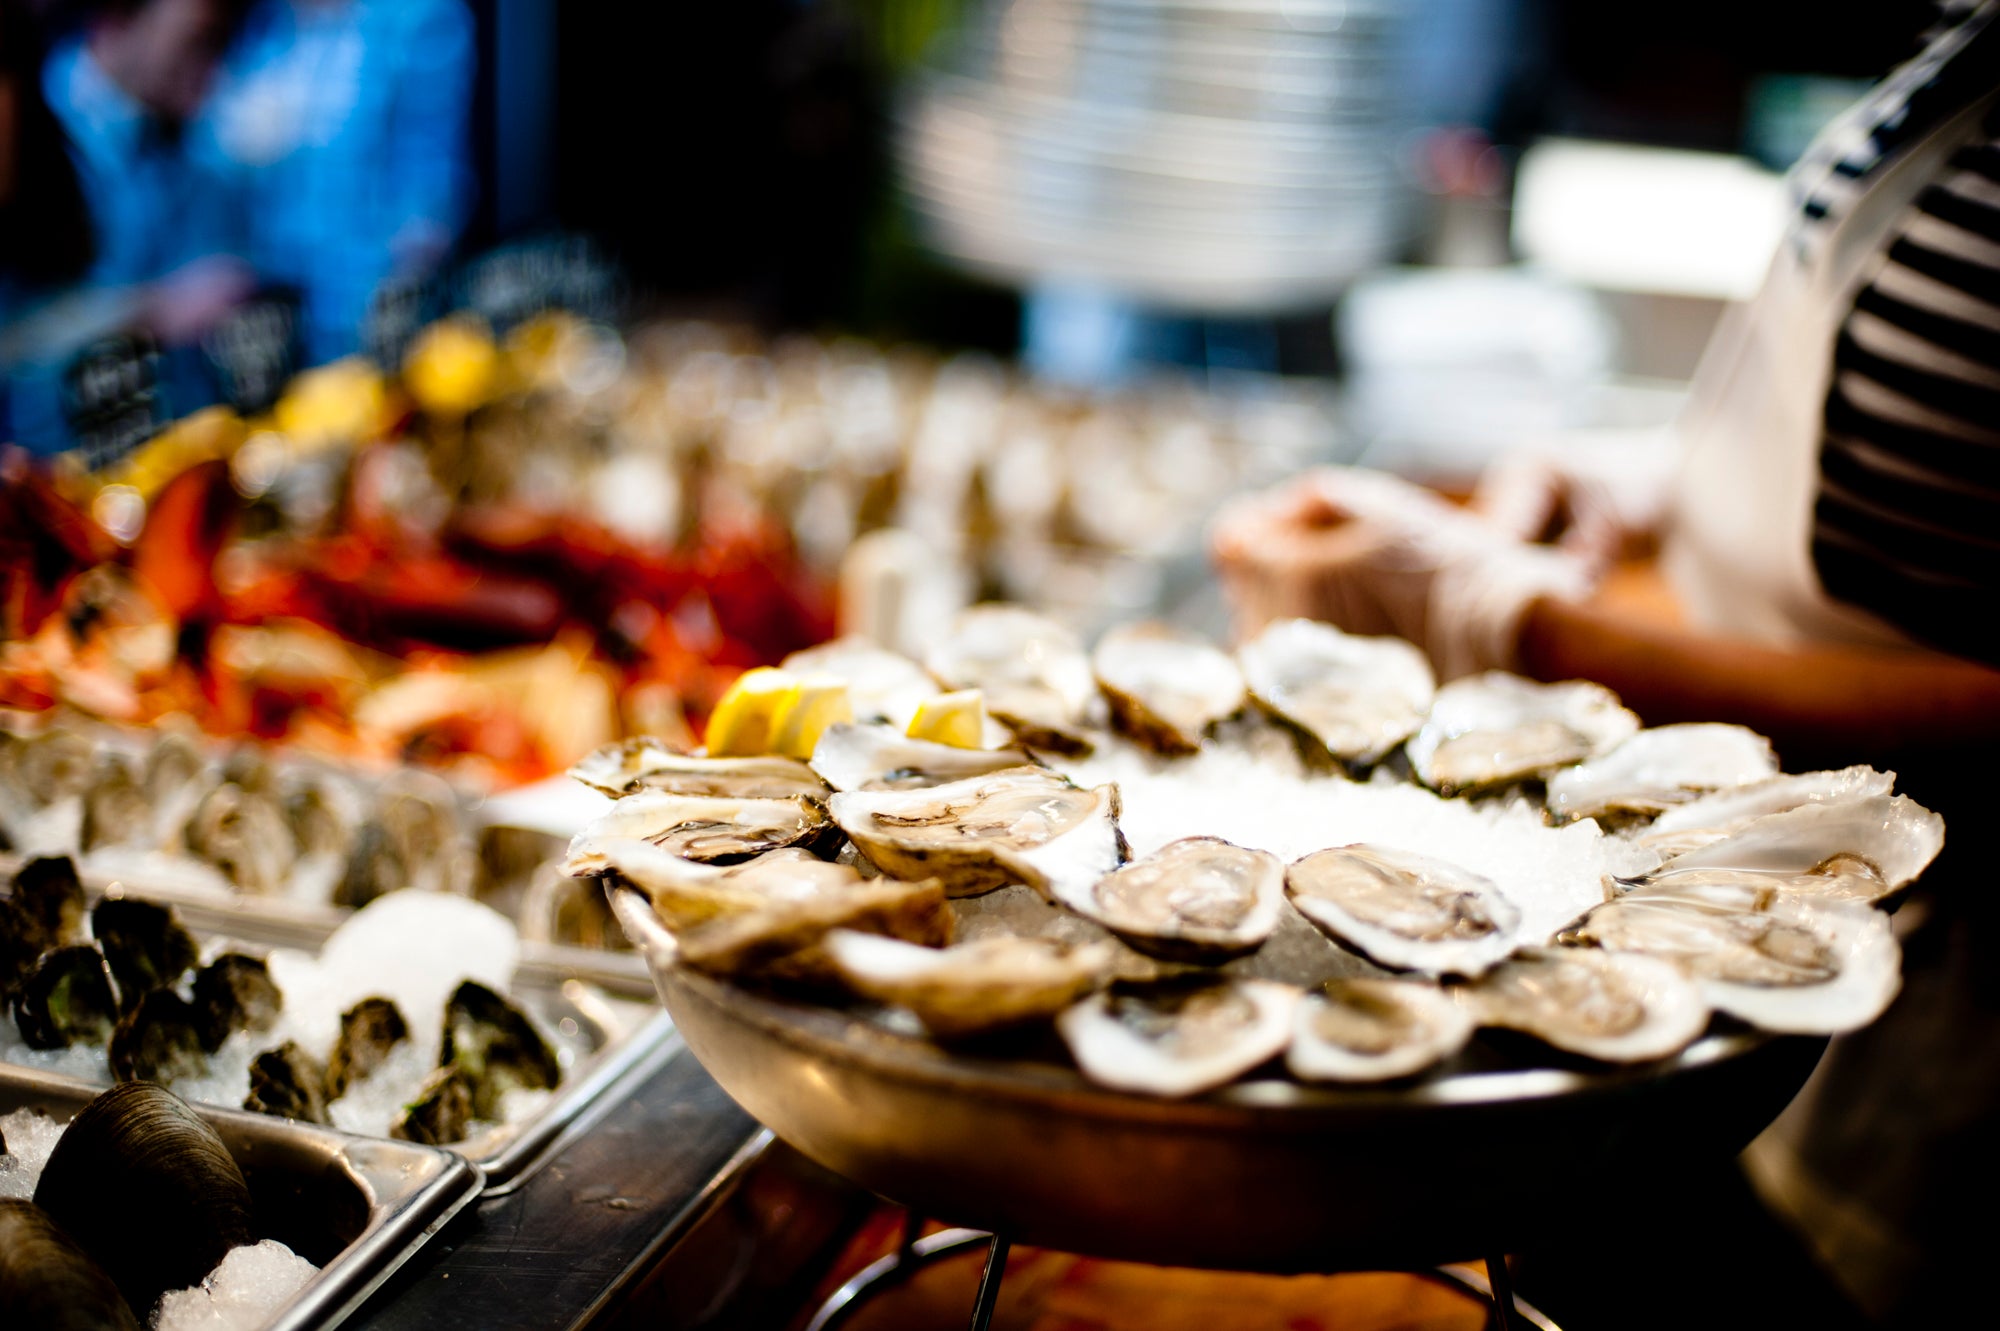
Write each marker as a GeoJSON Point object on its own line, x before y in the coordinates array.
{"type": "Point", "coordinates": [1376, 555]}
{"type": "Point", "coordinates": [1601, 495]}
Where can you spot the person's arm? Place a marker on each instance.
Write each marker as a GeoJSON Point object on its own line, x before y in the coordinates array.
{"type": "Point", "coordinates": [1843, 702]}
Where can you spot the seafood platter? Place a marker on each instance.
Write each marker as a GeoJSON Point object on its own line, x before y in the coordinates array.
{"type": "Point", "coordinates": [131, 1208]}
{"type": "Point", "coordinates": [1155, 950]}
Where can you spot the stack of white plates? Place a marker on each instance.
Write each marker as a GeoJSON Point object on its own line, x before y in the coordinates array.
{"type": "Point", "coordinates": [1223, 156]}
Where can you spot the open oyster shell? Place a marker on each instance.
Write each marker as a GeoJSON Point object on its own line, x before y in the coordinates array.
{"type": "Point", "coordinates": [1778, 961]}
{"type": "Point", "coordinates": [1178, 1037]}
{"type": "Point", "coordinates": [1616, 1007]}
{"type": "Point", "coordinates": [783, 941]}
{"type": "Point", "coordinates": [1712, 817]}
{"type": "Point", "coordinates": [1374, 1030]}
{"type": "Point", "coordinates": [687, 893]}
{"type": "Point", "coordinates": [1196, 899]}
{"type": "Point", "coordinates": [1495, 729]}
{"type": "Point", "coordinates": [1854, 850]}
{"type": "Point", "coordinates": [650, 764]}
{"type": "Point", "coordinates": [1658, 768]}
{"type": "Point", "coordinates": [1032, 670]}
{"type": "Point", "coordinates": [1022, 825]}
{"type": "Point", "coordinates": [1360, 697]}
{"type": "Point", "coordinates": [970, 988]}
{"type": "Point", "coordinates": [1406, 911]}
{"type": "Point", "coordinates": [711, 829]}
{"type": "Point", "coordinates": [881, 685]}
{"type": "Point", "coordinates": [1166, 687]}
{"type": "Point", "coordinates": [856, 756]}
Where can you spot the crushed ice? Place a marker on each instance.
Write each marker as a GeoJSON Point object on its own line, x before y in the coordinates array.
{"type": "Point", "coordinates": [241, 1294]}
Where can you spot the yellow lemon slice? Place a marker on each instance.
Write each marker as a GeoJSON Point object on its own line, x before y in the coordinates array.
{"type": "Point", "coordinates": [745, 722]}
{"type": "Point", "coordinates": [452, 366]}
{"type": "Point", "coordinates": [957, 719]}
{"type": "Point", "coordinates": [818, 702]}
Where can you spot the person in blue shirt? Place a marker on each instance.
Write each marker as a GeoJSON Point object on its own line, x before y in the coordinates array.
{"type": "Point", "coordinates": [347, 122]}
{"type": "Point", "coordinates": [164, 228]}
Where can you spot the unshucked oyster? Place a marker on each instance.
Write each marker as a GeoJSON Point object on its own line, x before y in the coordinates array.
{"type": "Point", "coordinates": [1359, 697]}
{"type": "Point", "coordinates": [1404, 910]}
{"type": "Point", "coordinates": [1021, 825]}
{"type": "Point", "coordinates": [1196, 899]}
{"type": "Point", "coordinates": [1180, 1036]}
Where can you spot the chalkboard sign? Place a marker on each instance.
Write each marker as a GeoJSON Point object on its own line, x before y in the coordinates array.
{"type": "Point", "coordinates": [398, 312]}
{"type": "Point", "coordinates": [254, 350]}
{"type": "Point", "coordinates": [112, 397]}
{"type": "Point", "coordinates": [519, 281]}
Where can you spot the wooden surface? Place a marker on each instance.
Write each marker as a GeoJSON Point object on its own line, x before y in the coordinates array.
{"type": "Point", "coordinates": [1052, 1291]}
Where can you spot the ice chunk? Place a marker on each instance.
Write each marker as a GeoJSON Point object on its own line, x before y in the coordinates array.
{"type": "Point", "coordinates": [251, 1284]}
{"type": "Point", "coordinates": [415, 947]}
{"type": "Point", "coordinates": [30, 1136]}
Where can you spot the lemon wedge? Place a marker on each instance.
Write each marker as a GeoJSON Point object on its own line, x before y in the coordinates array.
{"type": "Point", "coordinates": [745, 722]}
{"type": "Point", "coordinates": [957, 719]}
{"type": "Point", "coordinates": [818, 701]}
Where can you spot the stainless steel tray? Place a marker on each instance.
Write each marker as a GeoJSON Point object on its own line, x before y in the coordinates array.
{"type": "Point", "coordinates": [358, 1207]}
{"type": "Point", "coordinates": [612, 1023]}
{"type": "Point", "coordinates": [1266, 1175]}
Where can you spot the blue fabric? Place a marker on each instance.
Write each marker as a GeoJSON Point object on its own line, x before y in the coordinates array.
{"type": "Point", "coordinates": [347, 121]}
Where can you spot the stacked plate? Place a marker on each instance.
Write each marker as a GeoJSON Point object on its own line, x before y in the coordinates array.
{"type": "Point", "coordinates": [1214, 155]}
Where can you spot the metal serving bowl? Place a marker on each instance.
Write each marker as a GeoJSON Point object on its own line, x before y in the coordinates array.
{"type": "Point", "coordinates": [1261, 1176]}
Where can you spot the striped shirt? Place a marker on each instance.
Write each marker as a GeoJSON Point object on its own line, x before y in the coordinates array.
{"type": "Point", "coordinates": [1906, 522]}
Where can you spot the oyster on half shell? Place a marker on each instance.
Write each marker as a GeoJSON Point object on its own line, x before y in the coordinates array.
{"type": "Point", "coordinates": [1179, 1036]}
{"type": "Point", "coordinates": [1714, 816]}
{"type": "Point", "coordinates": [881, 685]}
{"type": "Point", "coordinates": [1374, 1030]}
{"type": "Point", "coordinates": [1406, 911]}
{"type": "Point", "coordinates": [712, 829]}
{"type": "Point", "coordinates": [1776, 960]}
{"type": "Point", "coordinates": [1358, 696]}
{"type": "Point", "coordinates": [1495, 729]}
{"type": "Point", "coordinates": [1022, 825]}
{"type": "Point", "coordinates": [1658, 768]}
{"type": "Point", "coordinates": [650, 764]}
{"type": "Point", "coordinates": [1854, 850]}
{"type": "Point", "coordinates": [1616, 1007]}
{"type": "Point", "coordinates": [1196, 899]}
{"type": "Point", "coordinates": [970, 988]}
{"type": "Point", "coordinates": [687, 893]}
{"type": "Point", "coordinates": [861, 756]}
{"type": "Point", "coordinates": [1032, 671]}
{"type": "Point", "coordinates": [1166, 686]}
{"type": "Point", "coordinates": [784, 941]}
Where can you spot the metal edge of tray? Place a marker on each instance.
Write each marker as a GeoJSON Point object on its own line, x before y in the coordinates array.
{"type": "Point", "coordinates": [413, 1191]}
{"type": "Point", "coordinates": [502, 1154]}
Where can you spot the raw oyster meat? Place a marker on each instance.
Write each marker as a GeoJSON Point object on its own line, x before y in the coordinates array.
{"type": "Point", "coordinates": [708, 828]}
{"type": "Point", "coordinates": [881, 685]}
{"type": "Point", "coordinates": [853, 756]}
{"type": "Point", "coordinates": [1180, 1036]}
{"type": "Point", "coordinates": [649, 764]}
{"type": "Point", "coordinates": [1196, 899]}
{"type": "Point", "coordinates": [1715, 816]}
{"type": "Point", "coordinates": [1855, 850]}
{"type": "Point", "coordinates": [1406, 911]}
{"type": "Point", "coordinates": [1166, 687]}
{"type": "Point", "coordinates": [1374, 1030]}
{"type": "Point", "coordinates": [1022, 825]}
{"type": "Point", "coordinates": [970, 988]}
{"type": "Point", "coordinates": [1658, 768]}
{"type": "Point", "coordinates": [1779, 961]}
{"type": "Point", "coordinates": [1360, 697]}
{"type": "Point", "coordinates": [687, 893]}
{"type": "Point", "coordinates": [1495, 729]}
{"type": "Point", "coordinates": [784, 940]}
{"type": "Point", "coordinates": [1032, 671]}
{"type": "Point", "coordinates": [1616, 1007]}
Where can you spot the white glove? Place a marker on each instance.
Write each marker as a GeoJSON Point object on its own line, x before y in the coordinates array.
{"type": "Point", "coordinates": [1377, 555]}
